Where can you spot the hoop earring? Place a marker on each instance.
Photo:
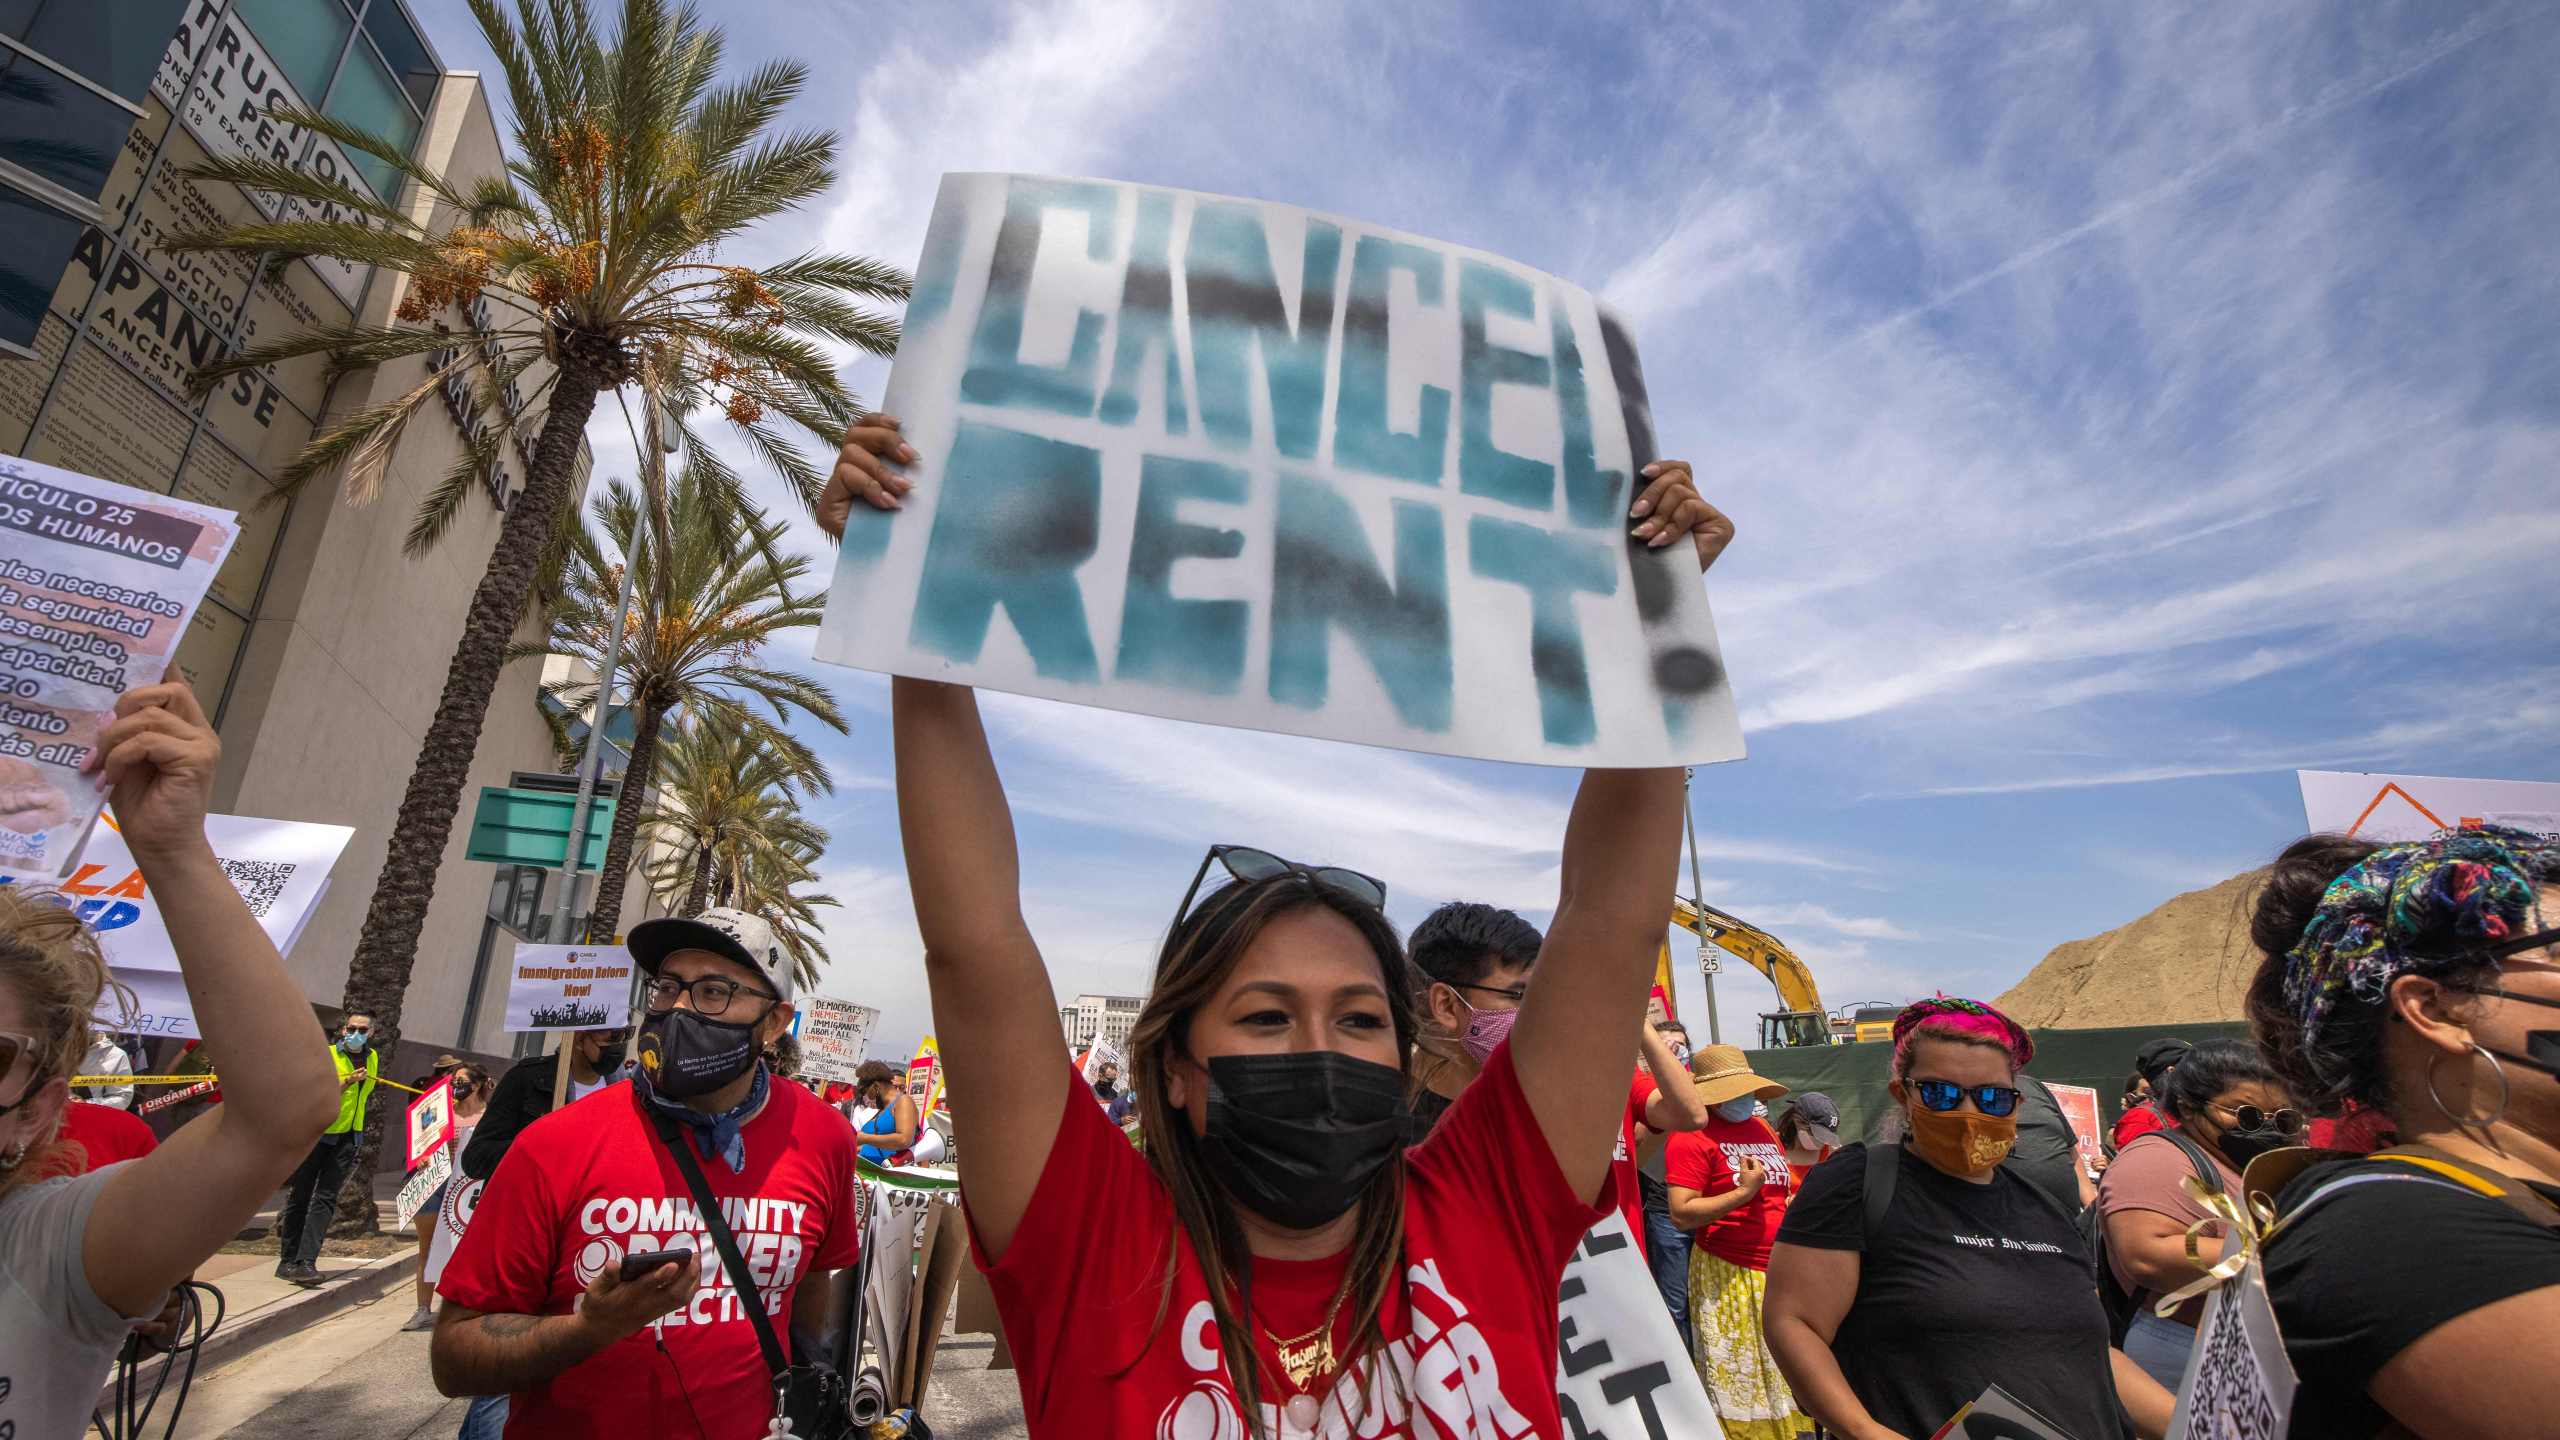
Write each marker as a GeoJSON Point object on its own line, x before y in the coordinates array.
{"type": "Point", "coordinates": [2464, 1121]}
{"type": "Point", "coordinates": [17, 1155]}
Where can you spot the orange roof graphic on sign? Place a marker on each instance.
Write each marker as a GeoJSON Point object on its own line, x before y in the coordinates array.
{"type": "Point", "coordinates": [2389, 789]}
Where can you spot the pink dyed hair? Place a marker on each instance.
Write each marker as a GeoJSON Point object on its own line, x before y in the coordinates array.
{"type": "Point", "coordinates": [1969, 1021]}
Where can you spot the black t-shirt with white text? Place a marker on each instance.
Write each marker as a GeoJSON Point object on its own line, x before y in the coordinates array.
{"type": "Point", "coordinates": [2374, 1266]}
{"type": "Point", "coordinates": [1967, 1286]}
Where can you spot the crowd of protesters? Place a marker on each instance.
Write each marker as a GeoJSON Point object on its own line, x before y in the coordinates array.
{"type": "Point", "coordinates": [1368, 1158]}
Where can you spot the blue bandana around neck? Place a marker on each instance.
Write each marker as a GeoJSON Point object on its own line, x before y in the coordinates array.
{"type": "Point", "coordinates": [722, 1133]}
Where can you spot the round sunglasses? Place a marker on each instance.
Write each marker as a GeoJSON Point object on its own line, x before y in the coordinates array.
{"type": "Point", "coordinates": [2248, 1119]}
{"type": "Point", "coordinates": [1945, 1095]}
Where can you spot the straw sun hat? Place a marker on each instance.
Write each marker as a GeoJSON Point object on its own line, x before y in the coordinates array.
{"type": "Point", "coordinates": [1723, 1074]}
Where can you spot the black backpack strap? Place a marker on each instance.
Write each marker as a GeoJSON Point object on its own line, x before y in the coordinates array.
{"type": "Point", "coordinates": [2206, 1170]}
{"type": "Point", "coordinates": [1884, 1171]}
{"type": "Point", "coordinates": [750, 1299]}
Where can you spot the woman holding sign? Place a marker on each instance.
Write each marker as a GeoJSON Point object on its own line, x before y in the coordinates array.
{"type": "Point", "coordinates": [83, 1260]}
{"type": "Point", "coordinates": [1277, 1259]}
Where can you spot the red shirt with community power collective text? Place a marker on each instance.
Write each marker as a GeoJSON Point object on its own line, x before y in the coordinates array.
{"type": "Point", "coordinates": [590, 1183]}
{"type": "Point", "coordinates": [1470, 1330]}
{"type": "Point", "coordinates": [1623, 1169]}
{"type": "Point", "coordinates": [1709, 1161]}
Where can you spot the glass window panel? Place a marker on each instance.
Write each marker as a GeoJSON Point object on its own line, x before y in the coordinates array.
{"type": "Point", "coordinates": [403, 51]}
{"type": "Point", "coordinates": [367, 99]}
{"type": "Point", "coordinates": [215, 476]}
{"type": "Point", "coordinates": [56, 129]}
{"type": "Point", "coordinates": [40, 241]}
{"type": "Point", "coordinates": [105, 422]}
{"type": "Point", "coordinates": [22, 383]}
{"type": "Point", "coordinates": [116, 43]}
{"type": "Point", "coordinates": [303, 36]}
{"type": "Point", "coordinates": [204, 657]}
{"type": "Point", "coordinates": [214, 282]}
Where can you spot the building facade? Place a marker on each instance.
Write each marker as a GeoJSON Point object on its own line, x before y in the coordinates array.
{"type": "Point", "coordinates": [1106, 1016]}
{"type": "Point", "coordinates": [322, 649]}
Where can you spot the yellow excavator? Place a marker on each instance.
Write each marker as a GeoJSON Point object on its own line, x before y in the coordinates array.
{"type": "Point", "coordinates": [1804, 1021]}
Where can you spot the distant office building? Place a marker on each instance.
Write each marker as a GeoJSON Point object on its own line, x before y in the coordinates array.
{"type": "Point", "coordinates": [1108, 1016]}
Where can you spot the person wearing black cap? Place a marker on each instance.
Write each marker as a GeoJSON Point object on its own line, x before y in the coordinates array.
{"type": "Point", "coordinates": [2152, 1062]}
{"type": "Point", "coordinates": [538, 1299]}
{"type": "Point", "coordinates": [1809, 1128]}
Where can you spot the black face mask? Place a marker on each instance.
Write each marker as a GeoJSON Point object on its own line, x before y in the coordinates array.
{"type": "Point", "coordinates": [1296, 1138]}
{"type": "Point", "coordinates": [1106, 1088]}
{"type": "Point", "coordinates": [685, 1055]}
{"type": "Point", "coordinates": [2242, 1146]}
{"type": "Point", "coordinates": [2541, 1047]}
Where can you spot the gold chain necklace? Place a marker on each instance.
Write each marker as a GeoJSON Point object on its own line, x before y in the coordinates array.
{"type": "Point", "coordinates": [1309, 1357]}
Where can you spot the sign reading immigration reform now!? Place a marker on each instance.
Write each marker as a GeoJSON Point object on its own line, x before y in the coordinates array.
{"type": "Point", "coordinates": [1236, 462]}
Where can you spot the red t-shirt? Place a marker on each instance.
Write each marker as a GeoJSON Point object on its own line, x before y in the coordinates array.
{"type": "Point", "coordinates": [1470, 1335]}
{"type": "Point", "coordinates": [1709, 1161]}
{"type": "Point", "coordinates": [589, 1183]}
{"type": "Point", "coordinates": [1622, 1166]}
{"type": "Point", "coordinates": [2140, 1120]}
{"type": "Point", "coordinates": [106, 1133]}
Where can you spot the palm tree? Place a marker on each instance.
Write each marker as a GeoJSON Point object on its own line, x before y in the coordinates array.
{"type": "Point", "coordinates": [729, 832]}
{"type": "Point", "coordinates": [701, 620]}
{"type": "Point", "coordinates": [599, 250]}
{"type": "Point", "coordinates": [723, 797]}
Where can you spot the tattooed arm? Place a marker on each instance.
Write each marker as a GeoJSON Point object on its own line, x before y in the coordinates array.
{"type": "Point", "coordinates": [480, 1353]}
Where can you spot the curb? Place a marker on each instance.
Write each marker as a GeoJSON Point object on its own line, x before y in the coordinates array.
{"type": "Point", "coordinates": [233, 1341]}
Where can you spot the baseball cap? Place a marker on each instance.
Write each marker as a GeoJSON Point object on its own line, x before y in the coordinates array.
{"type": "Point", "coordinates": [1817, 1118]}
{"type": "Point", "coordinates": [735, 934]}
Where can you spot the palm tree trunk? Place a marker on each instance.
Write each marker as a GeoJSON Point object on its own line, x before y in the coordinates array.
{"type": "Point", "coordinates": [604, 921]}
{"type": "Point", "coordinates": [698, 895]}
{"type": "Point", "coordinates": [378, 975]}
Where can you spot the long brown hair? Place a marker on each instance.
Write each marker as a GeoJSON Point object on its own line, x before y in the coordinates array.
{"type": "Point", "coordinates": [52, 963]}
{"type": "Point", "coordinates": [1198, 955]}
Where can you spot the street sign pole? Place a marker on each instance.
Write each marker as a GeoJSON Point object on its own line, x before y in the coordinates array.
{"type": "Point", "coordinates": [592, 762]}
{"type": "Point", "coordinates": [1697, 890]}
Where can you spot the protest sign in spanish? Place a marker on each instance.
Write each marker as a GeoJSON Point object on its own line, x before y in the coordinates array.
{"type": "Point", "coordinates": [569, 987]}
{"type": "Point", "coordinates": [97, 585]}
{"type": "Point", "coordinates": [1237, 462]}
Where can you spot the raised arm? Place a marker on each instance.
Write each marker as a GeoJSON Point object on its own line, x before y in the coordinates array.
{"type": "Point", "coordinates": [995, 1015]}
{"type": "Point", "coordinates": [1675, 1104]}
{"type": "Point", "coordinates": [1621, 854]}
{"type": "Point", "coordinates": [278, 1089]}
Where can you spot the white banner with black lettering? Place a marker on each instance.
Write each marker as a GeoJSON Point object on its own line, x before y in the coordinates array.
{"type": "Point", "coordinates": [1620, 1368]}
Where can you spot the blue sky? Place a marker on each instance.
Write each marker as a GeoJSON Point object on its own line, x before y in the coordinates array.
{"type": "Point", "coordinates": [2121, 407]}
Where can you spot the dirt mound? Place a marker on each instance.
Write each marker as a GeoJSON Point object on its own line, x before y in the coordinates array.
{"type": "Point", "coordinates": [2187, 962]}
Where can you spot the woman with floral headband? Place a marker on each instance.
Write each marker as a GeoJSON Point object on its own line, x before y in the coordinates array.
{"type": "Point", "coordinates": [1908, 1279]}
{"type": "Point", "coordinates": [2419, 1289]}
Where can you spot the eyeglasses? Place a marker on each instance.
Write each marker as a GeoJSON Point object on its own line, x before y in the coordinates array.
{"type": "Point", "coordinates": [2248, 1119]}
{"type": "Point", "coordinates": [14, 1048]}
{"type": "Point", "coordinates": [711, 993]}
{"type": "Point", "coordinates": [1516, 994]}
{"type": "Point", "coordinates": [1250, 865]}
{"type": "Point", "coordinates": [1945, 1095]}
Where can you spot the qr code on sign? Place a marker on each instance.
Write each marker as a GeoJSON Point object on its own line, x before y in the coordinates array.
{"type": "Point", "coordinates": [259, 882]}
{"type": "Point", "coordinates": [2232, 1399]}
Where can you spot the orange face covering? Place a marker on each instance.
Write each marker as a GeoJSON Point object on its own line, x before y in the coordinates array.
{"type": "Point", "coordinates": [1966, 1142]}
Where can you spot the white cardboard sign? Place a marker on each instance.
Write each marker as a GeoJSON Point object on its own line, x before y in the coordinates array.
{"type": "Point", "coordinates": [1236, 462]}
{"type": "Point", "coordinates": [568, 987]}
{"type": "Point", "coordinates": [1620, 1367]}
{"type": "Point", "coordinates": [98, 583]}
{"type": "Point", "coordinates": [415, 1190]}
{"type": "Point", "coordinates": [833, 1035]}
{"type": "Point", "coordinates": [2415, 807]}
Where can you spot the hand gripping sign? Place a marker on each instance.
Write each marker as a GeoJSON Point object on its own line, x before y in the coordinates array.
{"type": "Point", "coordinates": [1236, 462]}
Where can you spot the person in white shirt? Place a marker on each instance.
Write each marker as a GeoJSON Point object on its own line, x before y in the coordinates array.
{"type": "Point", "coordinates": [106, 1057]}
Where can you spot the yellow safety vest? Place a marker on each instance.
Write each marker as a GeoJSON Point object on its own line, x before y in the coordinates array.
{"type": "Point", "coordinates": [352, 1099]}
